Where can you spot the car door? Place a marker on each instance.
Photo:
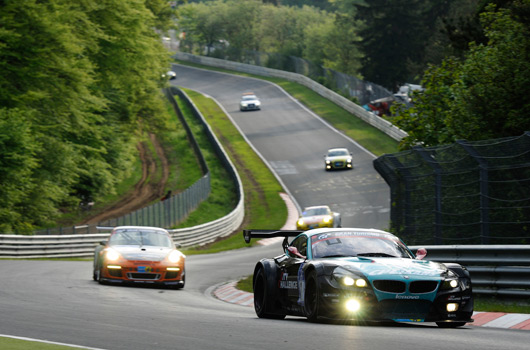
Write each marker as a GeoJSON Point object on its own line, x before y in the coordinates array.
{"type": "Point", "coordinates": [292, 279]}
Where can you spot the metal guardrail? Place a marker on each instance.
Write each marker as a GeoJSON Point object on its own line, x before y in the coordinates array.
{"type": "Point", "coordinates": [496, 270]}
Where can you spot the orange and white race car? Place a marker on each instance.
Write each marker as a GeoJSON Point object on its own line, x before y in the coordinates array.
{"type": "Point", "coordinates": [139, 254]}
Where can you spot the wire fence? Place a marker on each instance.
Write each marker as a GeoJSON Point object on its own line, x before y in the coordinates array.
{"type": "Point", "coordinates": [462, 193]}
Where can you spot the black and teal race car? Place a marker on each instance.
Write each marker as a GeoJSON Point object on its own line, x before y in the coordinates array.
{"type": "Point", "coordinates": [358, 274]}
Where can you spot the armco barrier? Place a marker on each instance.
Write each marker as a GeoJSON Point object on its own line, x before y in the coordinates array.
{"type": "Point", "coordinates": [500, 270]}
{"type": "Point", "coordinates": [370, 118]}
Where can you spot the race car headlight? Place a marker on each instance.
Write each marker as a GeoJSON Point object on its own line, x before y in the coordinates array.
{"type": "Point", "coordinates": [348, 160]}
{"type": "Point", "coordinates": [174, 256]}
{"type": "Point", "coordinates": [327, 219]}
{"type": "Point", "coordinates": [112, 255]}
{"type": "Point", "coordinates": [353, 305]}
{"type": "Point", "coordinates": [300, 222]}
{"type": "Point", "coordinates": [450, 284]}
{"type": "Point", "coordinates": [348, 279]}
{"type": "Point", "coordinates": [328, 161]}
{"type": "Point", "coordinates": [452, 307]}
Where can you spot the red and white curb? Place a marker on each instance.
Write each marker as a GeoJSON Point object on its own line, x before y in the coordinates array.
{"type": "Point", "coordinates": [501, 320]}
{"type": "Point", "coordinates": [229, 293]}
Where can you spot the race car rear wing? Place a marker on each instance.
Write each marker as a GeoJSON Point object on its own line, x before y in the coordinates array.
{"type": "Point", "coordinates": [248, 234]}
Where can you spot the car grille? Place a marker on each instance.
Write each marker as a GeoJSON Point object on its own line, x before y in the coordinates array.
{"type": "Point", "coordinates": [404, 309]}
{"type": "Point", "coordinates": [390, 286]}
{"type": "Point", "coordinates": [143, 276]}
{"type": "Point", "coordinates": [339, 164]}
{"type": "Point", "coordinates": [417, 287]}
{"type": "Point", "coordinates": [251, 105]}
{"type": "Point", "coordinates": [172, 274]}
{"type": "Point", "coordinates": [114, 272]}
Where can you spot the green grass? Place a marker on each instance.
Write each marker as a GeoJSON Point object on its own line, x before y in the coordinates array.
{"type": "Point", "coordinates": [223, 197]}
{"type": "Point", "coordinates": [19, 344]}
{"type": "Point", "coordinates": [498, 304]}
{"type": "Point", "coordinates": [184, 165]}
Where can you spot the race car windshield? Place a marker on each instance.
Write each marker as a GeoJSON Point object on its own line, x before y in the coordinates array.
{"type": "Point", "coordinates": [315, 211]}
{"type": "Point", "coordinates": [337, 153]}
{"type": "Point", "coordinates": [350, 245]}
{"type": "Point", "coordinates": [249, 98]}
{"type": "Point", "coordinates": [141, 238]}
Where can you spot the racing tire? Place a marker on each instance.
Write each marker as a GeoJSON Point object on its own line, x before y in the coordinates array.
{"type": "Point", "coordinates": [450, 324]}
{"type": "Point", "coordinates": [312, 299]}
{"type": "Point", "coordinates": [99, 278]}
{"type": "Point", "coordinates": [261, 296]}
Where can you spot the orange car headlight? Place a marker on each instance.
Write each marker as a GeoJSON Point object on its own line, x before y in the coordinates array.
{"type": "Point", "coordinates": [174, 256]}
{"type": "Point", "coordinates": [112, 255]}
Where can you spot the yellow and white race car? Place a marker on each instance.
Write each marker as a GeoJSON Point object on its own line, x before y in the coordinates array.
{"type": "Point", "coordinates": [318, 217]}
{"type": "Point", "coordinates": [338, 158]}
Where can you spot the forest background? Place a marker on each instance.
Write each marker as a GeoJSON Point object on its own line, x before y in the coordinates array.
{"type": "Point", "coordinates": [81, 81]}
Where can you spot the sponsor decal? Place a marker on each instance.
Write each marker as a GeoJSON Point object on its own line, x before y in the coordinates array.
{"type": "Point", "coordinates": [407, 297]}
{"type": "Point", "coordinates": [409, 320]}
{"type": "Point", "coordinates": [301, 283]}
{"type": "Point", "coordinates": [284, 283]}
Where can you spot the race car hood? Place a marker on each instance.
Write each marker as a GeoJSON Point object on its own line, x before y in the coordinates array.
{"type": "Point", "coordinates": [338, 158]}
{"type": "Point", "coordinates": [313, 219]}
{"type": "Point", "coordinates": [143, 253]}
{"type": "Point", "coordinates": [382, 268]}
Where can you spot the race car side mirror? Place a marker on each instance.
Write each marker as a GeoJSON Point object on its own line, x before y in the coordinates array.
{"type": "Point", "coordinates": [178, 245]}
{"type": "Point", "coordinates": [421, 253]}
{"type": "Point", "coordinates": [295, 252]}
{"type": "Point", "coordinates": [103, 243]}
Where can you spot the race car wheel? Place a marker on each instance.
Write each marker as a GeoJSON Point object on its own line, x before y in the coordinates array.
{"type": "Point", "coordinates": [261, 296]}
{"type": "Point", "coordinates": [99, 278]}
{"type": "Point", "coordinates": [450, 324]}
{"type": "Point", "coordinates": [311, 297]}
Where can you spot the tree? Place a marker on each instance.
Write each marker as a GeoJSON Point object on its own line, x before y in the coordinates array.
{"type": "Point", "coordinates": [78, 80]}
{"type": "Point", "coordinates": [483, 96]}
{"type": "Point", "coordinates": [392, 38]}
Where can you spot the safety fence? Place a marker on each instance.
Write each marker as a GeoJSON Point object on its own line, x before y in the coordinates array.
{"type": "Point", "coordinates": [496, 270]}
{"type": "Point", "coordinates": [462, 193]}
{"type": "Point", "coordinates": [353, 108]}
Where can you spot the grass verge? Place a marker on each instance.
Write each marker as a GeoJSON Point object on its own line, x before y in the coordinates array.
{"type": "Point", "coordinates": [7, 343]}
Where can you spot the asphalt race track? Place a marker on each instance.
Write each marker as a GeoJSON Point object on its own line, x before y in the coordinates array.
{"type": "Point", "coordinates": [58, 300]}
{"type": "Point", "coordinates": [294, 141]}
